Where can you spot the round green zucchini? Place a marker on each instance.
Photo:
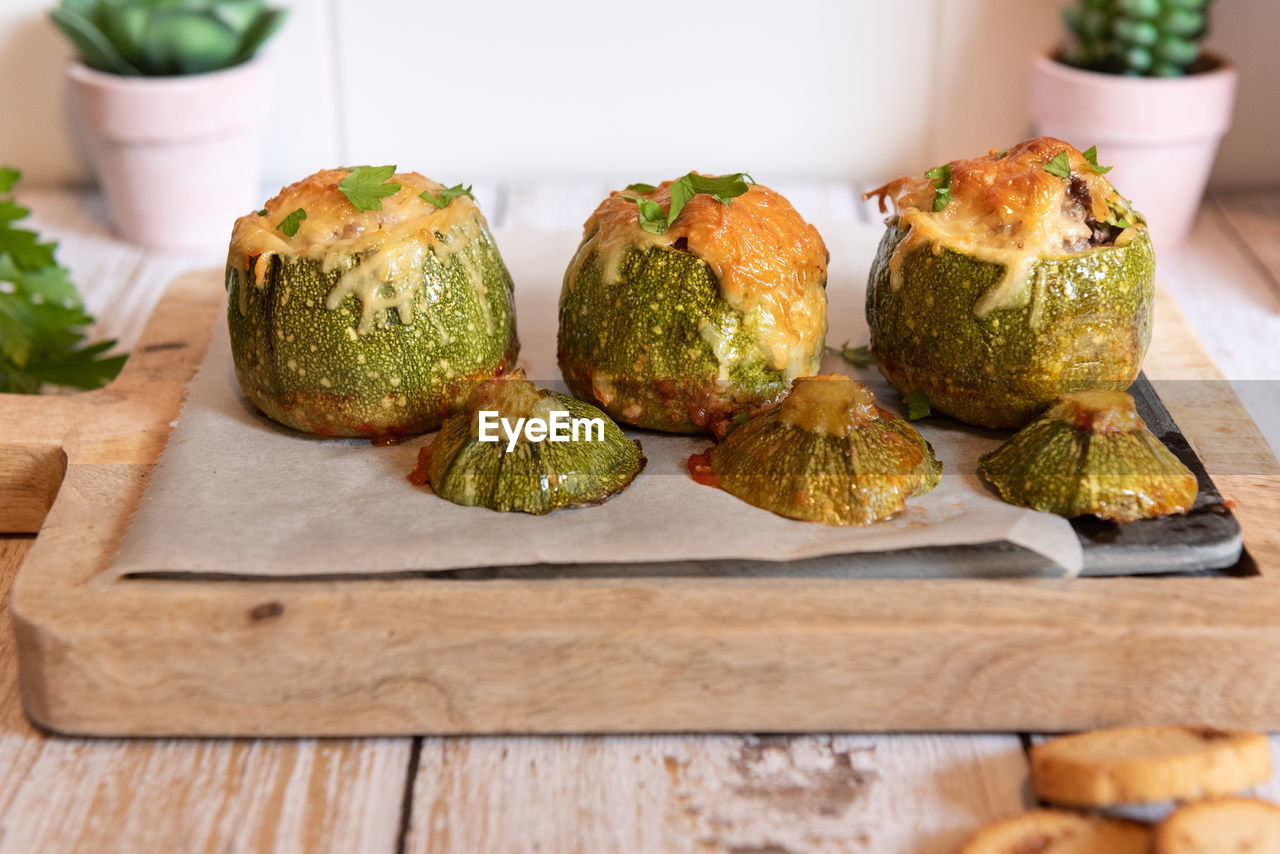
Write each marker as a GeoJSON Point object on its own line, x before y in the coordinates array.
{"type": "Point", "coordinates": [826, 454]}
{"type": "Point", "coordinates": [533, 476]}
{"type": "Point", "coordinates": [1091, 454]}
{"type": "Point", "coordinates": [1083, 320]}
{"type": "Point", "coordinates": [681, 330]}
{"type": "Point", "coordinates": [379, 336]}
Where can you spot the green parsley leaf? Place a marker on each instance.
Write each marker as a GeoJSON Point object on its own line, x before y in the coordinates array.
{"type": "Point", "coordinates": [736, 421]}
{"type": "Point", "coordinates": [262, 212]}
{"type": "Point", "coordinates": [722, 188]}
{"type": "Point", "coordinates": [917, 406]}
{"type": "Point", "coordinates": [1002, 154]}
{"type": "Point", "coordinates": [859, 357]}
{"type": "Point", "coordinates": [941, 177]}
{"type": "Point", "coordinates": [367, 186]}
{"type": "Point", "coordinates": [1092, 156]}
{"type": "Point", "coordinates": [447, 195]}
{"type": "Point", "coordinates": [1060, 165]}
{"type": "Point", "coordinates": [41, 315]}
{"type": "Point", "coordinates": [290, 224]}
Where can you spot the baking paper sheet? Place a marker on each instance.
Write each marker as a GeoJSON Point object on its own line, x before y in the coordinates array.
{"type": "Point", "coordinates": [236, 494]}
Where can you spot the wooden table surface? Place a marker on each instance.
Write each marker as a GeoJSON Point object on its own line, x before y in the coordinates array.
{"type": "Point", "coordinates": [709, 794]}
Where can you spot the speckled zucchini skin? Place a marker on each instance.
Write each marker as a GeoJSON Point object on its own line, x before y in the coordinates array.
{"type": "Point", "coordinates": [1053, 467]}
{"type": "Point", "coordinates": [304, 366]}
{"type": "Point", "coordinates": [636, 348]}
{"type": "Point", "coordinates": [999, 371]}
{"type": "Point", "coordinates": [535, 477]}
{"type": "Point", "coordinates": [817, 477]}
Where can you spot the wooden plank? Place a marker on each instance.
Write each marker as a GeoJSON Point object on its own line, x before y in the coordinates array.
{"type": "Point", "coordinates": [73, 794]}
{"type": "Point", "coordinates": [712, 795]}
{"type": "Point", "coordinates": [1254, 217]}
{"type": "Point", "coordinates": [198, 657]}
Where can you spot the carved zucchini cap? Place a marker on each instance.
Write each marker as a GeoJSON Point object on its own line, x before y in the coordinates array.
{"type": "Point", "coordinates": [1023, 286]}
{"type": "Point", "coordinates": [679, 331]}
{"type": "Point", "coordinates": [595, 462]}
{"type": "Point", "coordinates": [366, 323]}
{"type": "Point", "coordinates": [1091, 453]}
{"type": "Point", "coordinates": [826, 454]}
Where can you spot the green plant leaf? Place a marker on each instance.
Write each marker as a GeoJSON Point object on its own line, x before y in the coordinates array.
{"type": "Point", "coordinates": [263, 28]}
{"type": "Point", "coordinates": [917, 406]}
{"type": "Point", "coordinates": [1060, 165]}
{"type": "Point", "coordinates": [653, 218]}
{"type": "Point", "coordinates": [1092, 156]}
{"type": "Point", "coordinates": [95, 49]}
{"type": "Point", "coordinates": [722, 188]}
{"type": "Point", "coordinates": [941, 177]}
{"type": "Point", "coordinates": [8, 178]}
{"type": "Point", "coordinates": [181, 41]}
{"type": "Point", "coordinates": [447, 195]}
{"type": "Point", "coordinates": [41, 314]}
{"type": "Point", "coordinates": [641, 188]}
{"type": "Point", "coordinates": [736, 421]}
{"type": "Point", "coordinates": [859, 357]}
{"type": "Point", "coordinates": [290, 224]}
{"type": "Point", "coordinates": [367, 186]}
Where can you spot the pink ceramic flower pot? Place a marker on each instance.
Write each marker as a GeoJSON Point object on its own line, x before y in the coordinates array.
{"type": "Point", "coordinates": [179, 158]}
{"type": "Point", "coordinates": [1160, 134]}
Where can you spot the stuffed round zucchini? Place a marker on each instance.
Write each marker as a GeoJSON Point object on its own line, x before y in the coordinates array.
{"type": "Point", "coordinates": [490, 454]}
{"type": "Point", "coordinates": [826, 454]}
{"type": "Point", "coordinates": [366, 303]}
{"type": "Point", "coordinates": [1006, 280]}
{"type": "Point", "coordinates": [689, 302]}
{"type": "Point", "coordinates": [1091, 453]}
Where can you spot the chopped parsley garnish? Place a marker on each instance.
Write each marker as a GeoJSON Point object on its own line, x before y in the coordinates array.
{"type": "Point", "coordinates": [859, 357]}
{"type": "Point", "coordinates": [41, 315]}
{"type": "Point", "coordinates": [917, 406]}
{"type": "Point", "coordinates": [289, 225]}
{"type": "Point", "coordinates": [736, 421]}
{"type": "Point", "coordinates": [447, 195]}
{"type": "Point", "coordinates": [722, 188]}
{"type": "Point", "coordinates": [262, 212]}
{"type": "Point", "coordinates": [1092, 156]}
{"type": "Point", "coordinates": [367, 186]}
{"type": "Point", "coordinates": [1060, 165]}
{"type": "Point", "coordinates": [941, 177]}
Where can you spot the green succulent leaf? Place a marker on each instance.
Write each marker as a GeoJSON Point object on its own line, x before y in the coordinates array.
{"type": "Point", "coordinates": [262, 28]}
{"type": "Point", "coordinates": [917, 406]}
{"type": "Point", "coordinates": [1060, 165]}
{"type": "Point", "coordinates": [941, 177]}
{"type": "Point", "coordinates": [41, 314]}
{"type": "Point", "coordinates": [289, 225]}
{"type": "Point", "coordinates": [447, 195]}
{"type": "Point", "coordinates": [367, 186]}
{"type": "Point", "coordinates": [95, 49]}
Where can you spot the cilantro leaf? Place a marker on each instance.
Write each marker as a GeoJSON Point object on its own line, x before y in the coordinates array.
{"type": "Point", "coordinates": [1060, 165]}
{"type": "Point", "coordinates": [41, 315]}
{"type": "Point", "coordinates": [722, 188]}
{"type": "Point", "coordinates": [367, 186]}
{"type": "Point", "coordinates": [289, 225]}
{"type": "Point", "coordinates": [917, 406]}
{"type": "Point", "coordinates": [1092, 156]}
{"type": "Point", "coordinates": [859, 357]}
{"type": "Point", "coordinates": [941, 177]}
{"type": "Point", "coordinates": [447, 195]}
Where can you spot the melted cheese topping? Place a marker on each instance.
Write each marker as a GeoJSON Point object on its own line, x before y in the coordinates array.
{"type": "Point", "coordinates": [831, 404]}
{"type": "Point", "coordinates": [1097, 411]}
{"type": "Point", "coordinates": [392, 244]}
{"type": "Point", "coordinates": [768, 261]}
{"type": "Point", "coordinates": [1005, 209]}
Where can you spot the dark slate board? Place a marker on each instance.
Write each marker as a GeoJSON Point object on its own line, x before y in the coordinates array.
{"type": "Point", "coordinates": [1205, 541]}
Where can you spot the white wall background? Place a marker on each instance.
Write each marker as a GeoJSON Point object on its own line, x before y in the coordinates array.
{"type": "Point", "coordinates": [515, 90]}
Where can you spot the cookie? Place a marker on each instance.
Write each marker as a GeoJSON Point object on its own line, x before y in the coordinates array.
{"type": "Point", "coordinates": [1060, 832]}
{"type": "Point", "coordinates": [1221, 826]}
{"type": "Point", "coordinates": [1146, 764]}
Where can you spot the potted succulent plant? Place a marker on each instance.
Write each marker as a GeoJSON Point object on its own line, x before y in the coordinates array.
{"type": "Point", "coordinates": [173, 103]}
{"type": "Point", "coordinates": [1133, 80]}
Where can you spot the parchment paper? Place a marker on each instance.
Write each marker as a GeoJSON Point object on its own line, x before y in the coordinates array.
{"type": "Point", "coordinates": [236, 494]}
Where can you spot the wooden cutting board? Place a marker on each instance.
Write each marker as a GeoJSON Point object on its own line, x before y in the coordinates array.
{"type": "Point", "coordinates": [199, 656]}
